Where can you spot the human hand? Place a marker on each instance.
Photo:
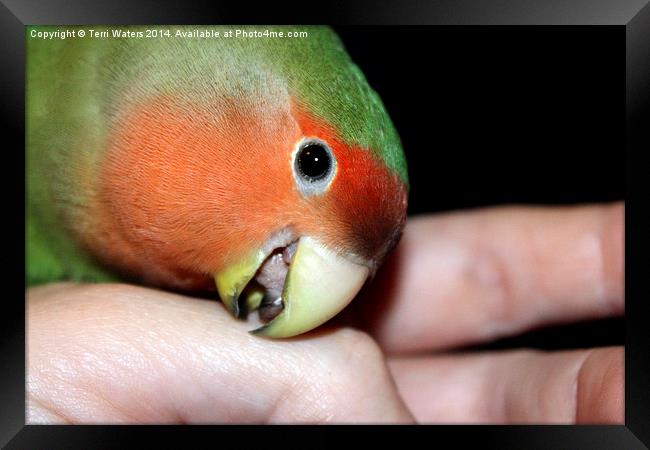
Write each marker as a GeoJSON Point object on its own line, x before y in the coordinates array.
{"type": "Point", "coordinates": [126, 354]}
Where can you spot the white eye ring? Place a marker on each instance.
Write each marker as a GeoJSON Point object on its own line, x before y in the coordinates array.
{"type": "Point", "coordinates": [314, 166]}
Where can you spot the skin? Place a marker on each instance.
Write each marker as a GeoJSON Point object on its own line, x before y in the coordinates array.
{"type": "Point", "coordinates": [114, 353]}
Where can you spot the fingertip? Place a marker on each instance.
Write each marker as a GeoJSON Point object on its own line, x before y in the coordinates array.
{"type": "Point", "coordinates": [601, 393]}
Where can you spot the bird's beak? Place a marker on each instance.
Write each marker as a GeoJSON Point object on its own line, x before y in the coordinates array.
{"type": "Point", "coordinates": [232, 280]}
{"type": "Point", "coordinates": [318, 285]}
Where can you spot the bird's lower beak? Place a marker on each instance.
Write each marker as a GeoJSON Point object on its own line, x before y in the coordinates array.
{"type": "Point", "coordinates": [319, 283]}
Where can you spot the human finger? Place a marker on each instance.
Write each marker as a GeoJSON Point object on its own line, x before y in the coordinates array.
{"type": "Point", "coordinates": [124, 354]}
{"type": "Point", "coordinates": [468, 277]}
{"type": "Point", "coordinates": [515, 387]}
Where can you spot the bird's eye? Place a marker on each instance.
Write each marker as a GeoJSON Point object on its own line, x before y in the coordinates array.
{"type": "Point", "coordinates": [314, 165]}
{"type": "Point", "coordinates": [313, 161]}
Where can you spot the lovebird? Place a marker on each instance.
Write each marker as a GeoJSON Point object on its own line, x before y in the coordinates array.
{"type": "Point", "coordinates": [256, 162]}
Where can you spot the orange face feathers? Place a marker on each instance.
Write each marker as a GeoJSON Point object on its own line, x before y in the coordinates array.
{"type": "Point", "coordinates": [183, 192]}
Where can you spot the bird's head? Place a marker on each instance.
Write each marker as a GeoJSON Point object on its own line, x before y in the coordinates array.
{"type": "Point", "coordinates": [273, 171]}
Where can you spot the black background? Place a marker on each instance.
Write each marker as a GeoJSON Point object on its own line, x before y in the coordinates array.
{"type": "Point", "coordinates": [506, 115]}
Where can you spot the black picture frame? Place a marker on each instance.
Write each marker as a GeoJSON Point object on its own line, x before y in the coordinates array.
{"type": "Point", "coordinates": [632, 16]}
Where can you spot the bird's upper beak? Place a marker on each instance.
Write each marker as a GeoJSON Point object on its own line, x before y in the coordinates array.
{"type": "Point", "coordinates": [319, 283]}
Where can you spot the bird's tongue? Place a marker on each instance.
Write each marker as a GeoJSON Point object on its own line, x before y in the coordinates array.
{"type": "Point", "coordinates": [271, 276]}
